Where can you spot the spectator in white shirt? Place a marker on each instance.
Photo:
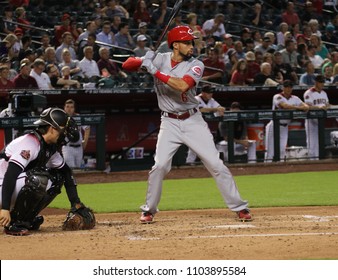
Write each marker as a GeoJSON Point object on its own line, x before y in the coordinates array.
{"type": "Point", "coordinates": [88, 65]}
{"type": "Point", "coordinates": [316, 59]}
{"type": "Point", "coordinates": [215, 27]}
{"type": "Point", "coordinates": [41, 77]}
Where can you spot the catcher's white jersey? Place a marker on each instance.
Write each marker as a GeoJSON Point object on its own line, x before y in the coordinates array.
{"type": "Point", "coordinates": [169, 99]}
{"type": "Point", "coordinates": [22, 151]}
{"type": "Point", "coordinates": [25, 149]}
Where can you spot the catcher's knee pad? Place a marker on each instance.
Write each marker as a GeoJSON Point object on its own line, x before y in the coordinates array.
{"type": "Point", "coordinates": [37, 180]}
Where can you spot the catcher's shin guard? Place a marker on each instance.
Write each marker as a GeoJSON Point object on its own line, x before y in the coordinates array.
{"type": "Point", "coordinates": [29, 197]}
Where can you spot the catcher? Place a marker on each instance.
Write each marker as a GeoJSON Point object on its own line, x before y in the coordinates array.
{"type": "Point", "coordinates": [32, 172]}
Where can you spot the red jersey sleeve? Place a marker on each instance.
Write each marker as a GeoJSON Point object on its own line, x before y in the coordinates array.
{"type": "Point", "coordinates": [189, 80]}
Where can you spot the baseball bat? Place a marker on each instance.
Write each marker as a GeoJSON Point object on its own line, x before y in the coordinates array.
{"type": "Point", "coordinates": [174, 11]}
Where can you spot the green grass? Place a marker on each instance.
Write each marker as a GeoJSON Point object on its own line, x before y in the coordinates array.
{"type": "Point", "coordinates": [293, 189]}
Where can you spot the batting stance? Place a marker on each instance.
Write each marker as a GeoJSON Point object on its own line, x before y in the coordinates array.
{"type": "Point", "coordinates": [32, 172]}
{"type": "Point", "coordinates": [316, 98]}
{"type": "Point", "coordinates": [176, 76]}
{"type": "Point", "coordinates": [280, 101]}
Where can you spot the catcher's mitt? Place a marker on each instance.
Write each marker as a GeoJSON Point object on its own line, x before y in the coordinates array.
{"type": "Point", "coordinates": [78, 218]}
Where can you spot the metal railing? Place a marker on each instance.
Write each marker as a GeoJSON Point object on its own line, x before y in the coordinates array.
{"type": "Point", "coordinates": [276, 116]}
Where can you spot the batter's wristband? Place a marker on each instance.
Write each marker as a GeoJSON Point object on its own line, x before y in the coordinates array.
{"type": "Point", "coordinates": [162, 77]}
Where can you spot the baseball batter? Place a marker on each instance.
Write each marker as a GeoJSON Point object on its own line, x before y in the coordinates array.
{"type": "Point", "coordinates": [316, 98]}
{"type": "Point", "coordinates": [280, 101]}
{"type": "Point", "coordinates": [176, 75]}
{"type": "Point", "coordinates": [73, 151]}
{"type": "Point", "coordinates": [26, 186]}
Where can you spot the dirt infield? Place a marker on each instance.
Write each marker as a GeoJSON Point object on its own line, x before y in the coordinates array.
{"type": "Point", "coordinates": [275, 233]}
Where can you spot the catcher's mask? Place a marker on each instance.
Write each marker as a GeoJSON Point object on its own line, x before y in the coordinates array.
{"type": "Point", "coordinates": [58, 119]}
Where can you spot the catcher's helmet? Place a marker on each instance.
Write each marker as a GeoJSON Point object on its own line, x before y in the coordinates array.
{"type": "Point", "coordinates": [180, 33]}
{"type": "Point", "coordinates": [54, 117]}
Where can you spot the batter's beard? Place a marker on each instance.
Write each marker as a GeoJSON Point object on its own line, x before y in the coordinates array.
{"type": "Point", "coordinates": [185, 56]}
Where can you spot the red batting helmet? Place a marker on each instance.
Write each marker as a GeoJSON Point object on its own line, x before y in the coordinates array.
{"type": "Point", "coordinates": [180, 33]}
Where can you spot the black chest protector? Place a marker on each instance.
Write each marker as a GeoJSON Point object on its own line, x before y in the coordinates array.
{"type": "Point", "coordinates": [45, 153]}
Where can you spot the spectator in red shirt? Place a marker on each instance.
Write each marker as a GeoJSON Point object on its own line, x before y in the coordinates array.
{"type": "Point", "coordinates": [20, 14]}
{"type": "Point", "coordinates": [19, 3]}
{"type": "Point", "coordinates": [214, 70]}
{"type": "Point", "coordinates": [23, 80]}
{"type": "Point", "coordinates": [253, 67]}
{"type": "Point", "coordinates": [141, 13]}
{"type": "Point", "coordinates": [64, 27]}
{"type": "Point", "coordinates": [290, 16]}
{"type": "Point", "coordinates": [5, 84]}
{"type": "Point", "coordinates": [105, 64]}
{"type": "Point", "coordinates": [239, 76]}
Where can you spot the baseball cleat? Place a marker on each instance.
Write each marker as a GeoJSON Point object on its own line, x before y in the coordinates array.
{"type": "Point", "coordinates": [244, 215]}
{"type": "Point", "coordinates": [147, 218]}
{"type": "Point", "coordinates": [16, 230]}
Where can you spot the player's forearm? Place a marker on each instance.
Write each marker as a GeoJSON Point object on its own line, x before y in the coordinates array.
{"type": "Point", "coordinates": [178, 84]}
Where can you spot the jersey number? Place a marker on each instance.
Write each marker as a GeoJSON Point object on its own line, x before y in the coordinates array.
{"type": "Point", "coordinates": [184, 97]}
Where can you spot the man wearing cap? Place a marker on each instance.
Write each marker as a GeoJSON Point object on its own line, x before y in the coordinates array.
{"type": "Point", "coordinates": [316, 98]}
{"type": "Point", "coordinates": [242, 144]}
{"type": "Point", "coordinates": [253, 67]}
{"type": "Point", "coordinates": [142, 30]}
{"type": "Point", "coordinates": [177, 74]}
{"type": "Point", "coordinates": [32, 172]}
{"type": "Point", "coordinates": [141, 48]}
{"type": "Point", "coordinates": [23, 80]}
{"type": "Point", "coordinates": [228, 43]}
{"type": "Point", "coordinates": [264, 46]}
{"type": "Point", "coordinates": [282, 101]}
{"type": "Point", "coordinates": [207, 104]}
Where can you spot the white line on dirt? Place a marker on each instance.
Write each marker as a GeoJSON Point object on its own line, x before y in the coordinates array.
{"type": "Point", "coordinates": [139, 238]}
{"type": "Point", "coordinates": [319, 218]}
{"type": "Point", "coordinates": [232, 226]}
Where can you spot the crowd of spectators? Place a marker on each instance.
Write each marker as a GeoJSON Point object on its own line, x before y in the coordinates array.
{"type": "Point", "coordinates": [81, 44]}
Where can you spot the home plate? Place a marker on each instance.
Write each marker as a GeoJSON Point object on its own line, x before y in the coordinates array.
{"type": "Point", "coordinates": [233, 226]}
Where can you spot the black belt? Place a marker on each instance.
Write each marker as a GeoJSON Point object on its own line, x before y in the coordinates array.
{"type": "Point", "coordinates": [182, 116]}
{"type": "Point", "coordinates": [75, 145]}
{"type": "Point", "coordinates": [283, 124]}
